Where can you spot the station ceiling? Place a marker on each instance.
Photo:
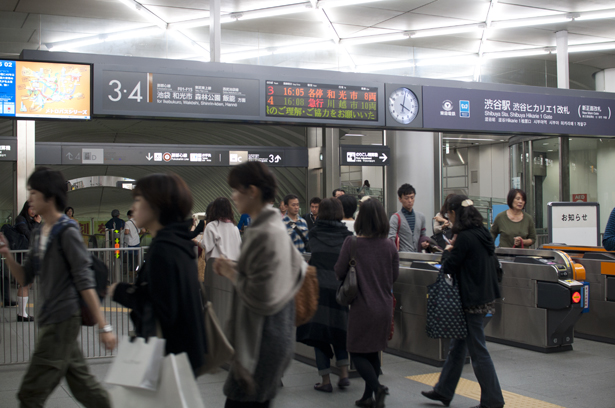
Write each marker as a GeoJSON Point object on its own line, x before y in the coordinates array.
{"type": "Point", "coordinates": [500, 41]}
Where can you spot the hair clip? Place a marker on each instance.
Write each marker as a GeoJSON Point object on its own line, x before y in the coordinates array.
{"type": "Point", "coordinates": [467, 202]}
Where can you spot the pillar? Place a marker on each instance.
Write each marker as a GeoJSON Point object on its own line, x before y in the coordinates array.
{"type": "Point", "coordinates": [332, 160]}
{"type": "Point", "coordinates": [215, 31]}
{"type": "Point", "coordinates": [415, 160]}
{"type": "Point", "coordinates": [563, 69]}
{"type": "Point", "coordinates": [605, 80]}
{"type": "Point", "coordinates": [25, 160]}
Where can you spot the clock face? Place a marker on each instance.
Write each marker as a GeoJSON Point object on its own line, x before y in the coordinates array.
{"type": "Point", "coordinates": [403, 105]}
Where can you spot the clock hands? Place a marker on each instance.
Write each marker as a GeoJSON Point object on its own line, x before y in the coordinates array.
{"type": "Point", "coordinates": [404, 101]}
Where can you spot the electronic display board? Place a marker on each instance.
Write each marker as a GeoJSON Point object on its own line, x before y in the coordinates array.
{"type": "Point", "coordinates": [318, 101]}
{"type": "Point", "coordinates": [45, 90]}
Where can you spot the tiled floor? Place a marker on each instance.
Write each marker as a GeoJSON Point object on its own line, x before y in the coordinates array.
{"type": "Point", "coordinates": [582, 378]}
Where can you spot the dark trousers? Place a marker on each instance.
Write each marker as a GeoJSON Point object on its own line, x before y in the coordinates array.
{"type": "Point", "coordinates": [323, 362]}
{"type": "Point", "coordinates": [368, 366]}
{"type": "Point", "coordinates": [57, 355]}
{"type": "Point", "coordinates": [247, 404]}
{"type": "Point", "coordinates": [491, 393]}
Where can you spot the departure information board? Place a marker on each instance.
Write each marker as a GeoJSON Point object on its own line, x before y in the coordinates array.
{"type": "Point", "coordinates": [318, 101]}
{"type": "Point", "coordinates": [45, 90]}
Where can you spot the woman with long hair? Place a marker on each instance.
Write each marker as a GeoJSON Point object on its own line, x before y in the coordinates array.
{"type": "Point", "coordinates": [371, 312]}
{"type": "Point", "coordinates": [25, 223]}
{"type": "Point", "coordinates": [265, 279]}
{"type": "Point", "coordinates": [470, 258]}
{"type": "Point", "coordinates": [166, 293]}
{"type": "Point", "coordinates": [327, 329]}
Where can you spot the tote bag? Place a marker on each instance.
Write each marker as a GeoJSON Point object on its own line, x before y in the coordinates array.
{"type": "Point", "coordinates": [137, 363]}
{"type": "Point", "coordinates": [445, 316]}
{"type": "Point", "coordinates": [349, 287]}
{"type": "Point", "coordinates": [219, 349]}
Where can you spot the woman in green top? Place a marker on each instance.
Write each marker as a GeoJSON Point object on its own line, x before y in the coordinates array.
{"type": "Point", "coordinates": [515, 226]}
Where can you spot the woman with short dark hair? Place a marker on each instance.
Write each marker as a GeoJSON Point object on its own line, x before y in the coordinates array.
{"type": "Point", "coordinates": [328, 327]}
{"type": "Point", "coordinates": [371, 312]}
{"type": "Point", "coordinates": [471, 261]}
{"type": "Point", "coordinates": [221, 238]}
{"type": "Point", "coordinates": [266, 278]}
{"type": "Point", "coordinates": [514, 226]}
{"type": "Point", "coordinates": [166, 293]}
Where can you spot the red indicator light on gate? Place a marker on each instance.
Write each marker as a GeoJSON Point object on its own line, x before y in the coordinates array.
{"type": "Point", "coordinates": [576, 297]}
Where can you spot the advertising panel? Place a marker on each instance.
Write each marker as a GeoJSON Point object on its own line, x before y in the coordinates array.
{"type": "Point", "coordinates": [45, 90]}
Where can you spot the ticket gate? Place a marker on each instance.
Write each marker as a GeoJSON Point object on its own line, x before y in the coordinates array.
{"type": "Point", "coordinates": [597, 323]}
{"type": "Point", "coordinates": [542, 300]}
{"type": "Point", "coordinates": [416, 272]}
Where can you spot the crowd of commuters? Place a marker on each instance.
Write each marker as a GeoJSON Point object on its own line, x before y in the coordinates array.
{"type": "Point", "coordinates": [262, 258]}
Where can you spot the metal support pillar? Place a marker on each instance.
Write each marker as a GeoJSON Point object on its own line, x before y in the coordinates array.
{"type": "Point", "coordinates": [564, 168]}
{"type": "Point", "coordinates": [605, 80]}
{"type": "Point", "coordinates": [215, 31]}
{"type": "Point", "coordinates": [25, 131]}
{"type": "Point", "coordinates": [563, 69]}
{"type": "Point", "coordinates": [332, 160]}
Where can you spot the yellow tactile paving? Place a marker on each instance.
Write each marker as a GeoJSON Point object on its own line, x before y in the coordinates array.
{"type": "Point", "coordinates": [471, 389]}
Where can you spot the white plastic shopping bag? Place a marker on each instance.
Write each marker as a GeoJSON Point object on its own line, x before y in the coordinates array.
{"type": "Point", "coordinates": [178, 388]}
{"type": "Point", "coordinates": [137, 363]}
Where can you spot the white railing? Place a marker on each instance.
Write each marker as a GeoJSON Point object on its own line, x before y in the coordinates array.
{"type": "Point", "coordinates": [18, 338]}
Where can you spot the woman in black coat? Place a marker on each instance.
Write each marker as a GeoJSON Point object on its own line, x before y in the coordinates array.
{"type": "Point", "coordinates": [167, 288]}
{"type": "Point", "coordinates": [329, 325]}
{"type": "Point", "coordinates": [470, 258]}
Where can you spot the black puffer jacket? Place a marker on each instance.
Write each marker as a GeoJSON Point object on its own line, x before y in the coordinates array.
{"type": "Point", "coordinates": [167, 290]}
{"type": "Point", "coordinates": [472, 260]}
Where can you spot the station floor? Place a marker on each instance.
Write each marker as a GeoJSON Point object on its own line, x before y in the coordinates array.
{"type": "Point", "coordinates": [582, 378]}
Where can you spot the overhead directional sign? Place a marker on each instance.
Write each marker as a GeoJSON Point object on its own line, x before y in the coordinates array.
{"type": "Point", "coordinates": [167, 155]}
{"type": "Point", "coordinates": [364, 155]}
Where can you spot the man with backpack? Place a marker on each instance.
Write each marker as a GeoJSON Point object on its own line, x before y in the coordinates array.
{"type": "Point", "coordinates": [57, 255]}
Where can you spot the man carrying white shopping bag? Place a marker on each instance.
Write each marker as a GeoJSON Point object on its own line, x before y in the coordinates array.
{"type": "Point", "coordinates": [65, 273]}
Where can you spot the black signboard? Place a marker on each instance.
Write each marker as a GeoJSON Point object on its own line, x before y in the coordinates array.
{"type": "Point", "coordinates": [169, 95]}
{"type": "Point", "coordinates": [481, 110]}
{"type": "Point", "coordinates": [318, 101]}
{"type": "Point", "coordinates": [364, 155]}
{"type": "Point", "coordinates": [167, 155]}
{"type": "Point", "coordinates": [8, 149]}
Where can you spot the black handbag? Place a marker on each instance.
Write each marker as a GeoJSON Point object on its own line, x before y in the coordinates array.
{"type": "Point", "coordinates": [349, 287]}
{"type": "Point", "coordinates": [445, 316]}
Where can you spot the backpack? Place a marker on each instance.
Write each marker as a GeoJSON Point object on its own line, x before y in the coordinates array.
{"type": "Point", "coordinates": [101, 277]}
{"type": "Point", "coordinates": [17, 240]}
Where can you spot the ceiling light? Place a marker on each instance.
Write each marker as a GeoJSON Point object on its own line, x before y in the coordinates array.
{"type": "Point", "coordinates": [432, 32]}
{"type": "Point", "coordinates": [370, 39]}
{"type": "Point", "coordinates": [97, 39]}
{"type": "Point", "coordinates": [532, 21]}
{"type": "Point", "coordinates": [145, 12]}
{"type": "Point", "coordinates": [354, 134]}
{"type": "Point", "coordinates": [592, 47]}
{"type": "Point", "coordinates": [596, 15]}
{"type": "Point", "coordinates": [517, 53]}
{"type": "Point", "coordinates": [342, 3]}
{"type": "Point", "coordinates": [464, 139]}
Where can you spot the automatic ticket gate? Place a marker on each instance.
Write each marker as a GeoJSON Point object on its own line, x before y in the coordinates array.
{"type": "Point", "coordinates": [597, 323]}
{"type": "Point", "coordinates": [542, 300]}
{"type": "Point", "coordinates": [416, 272]}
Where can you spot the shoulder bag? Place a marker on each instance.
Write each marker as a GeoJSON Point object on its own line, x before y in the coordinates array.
{"type": "Point", "coordinates": [306, 243]}
{"type": "Point", "coordinates": [306, 300]}
{"type": "Point", "coordinates": [219, 349]}
{"type": "Point", "coordinates": [445, 316]}
{"type": "Point", "coordinates": [397, 235]}
{"type": "Point", "coordinates": [349, 287]}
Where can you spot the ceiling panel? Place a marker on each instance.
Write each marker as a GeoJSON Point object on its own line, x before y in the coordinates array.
{"type": "Point", "coordinates": [398, 5]}
{"type": "Point", "coordinates": [12, 20]}
{"type": "Point", "coordinates": [411, 21]}
{"type": "Point", "coordinates": [563, 5]}
{"type": "Point", "coordinates": [346, 30]}
{"type": "Point", "coordinates": [362, 16]}
{"type": "Point", "coordinates": [309, 27]}
{"type": "Point", "coordinates": [81, 8]}
{"type": "Point", "coordinates": [8, 5]}
{"type": "Point", "coordinates": [504, 11]}
{"type": "Point", "coordinates": [175, 14]}
{"type": "Point", "coordinates": [471, 10]}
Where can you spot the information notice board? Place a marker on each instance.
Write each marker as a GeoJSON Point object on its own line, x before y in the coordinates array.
{"type": "Point", "coordinates": [574, 223]}
{"type": "Point", "coordinates": [320, 101]}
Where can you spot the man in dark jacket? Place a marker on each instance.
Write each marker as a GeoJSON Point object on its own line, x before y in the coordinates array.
{"type": "Point", "coordinates": [310, 218]}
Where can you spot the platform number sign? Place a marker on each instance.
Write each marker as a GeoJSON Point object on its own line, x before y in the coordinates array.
{"type": "Point", "coordinates": [117, 91]}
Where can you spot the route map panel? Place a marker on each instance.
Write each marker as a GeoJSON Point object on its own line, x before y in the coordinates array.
{"type": "Point", "coordinates": [318, 101]}
{"type": "Point", "coordinates": [45, 90]}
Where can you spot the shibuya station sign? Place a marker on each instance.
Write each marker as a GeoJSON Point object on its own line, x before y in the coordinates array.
{"type": "Point", "coordinates": [481, 110]}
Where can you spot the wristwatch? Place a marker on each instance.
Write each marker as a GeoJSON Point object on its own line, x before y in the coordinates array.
{"type": "Point", "coordinates": [106, 329]}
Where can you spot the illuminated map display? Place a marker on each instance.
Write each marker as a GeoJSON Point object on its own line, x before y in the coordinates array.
{"type": "Point", "coordinates": [318, 101]}
{"type": "Point", "coordinates": [45, 90]}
